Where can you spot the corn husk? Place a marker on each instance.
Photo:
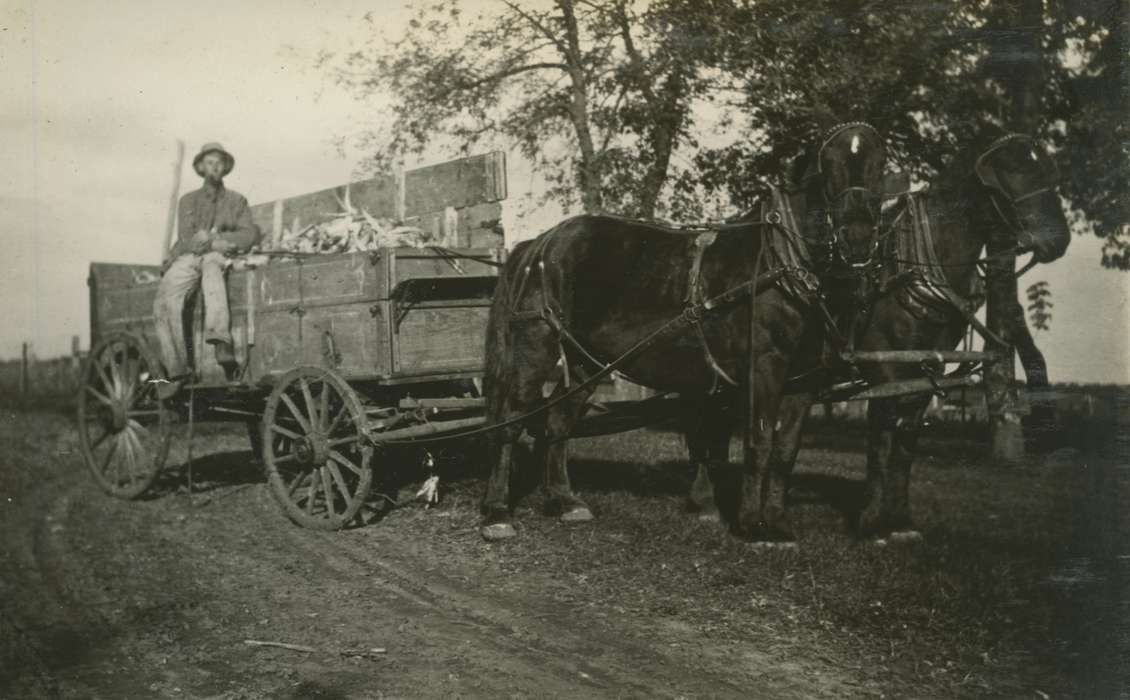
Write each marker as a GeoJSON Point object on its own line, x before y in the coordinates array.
{"type": "Point", "coordinates": [350, 230]}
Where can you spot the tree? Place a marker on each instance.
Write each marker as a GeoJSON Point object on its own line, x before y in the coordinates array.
{"type": "Point", "coordinates": [596, 93]}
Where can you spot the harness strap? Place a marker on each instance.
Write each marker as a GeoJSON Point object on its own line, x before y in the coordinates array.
{"type": "Point", "coordinates": [694, 297]}
{"type": "Point", "coordinates": [962, 309]}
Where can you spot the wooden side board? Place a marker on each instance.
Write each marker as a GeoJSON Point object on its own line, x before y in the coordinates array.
{"type": "Point", "coordinates": [392, 314]}
{"type": "Point", "coordinates": [457, 201]}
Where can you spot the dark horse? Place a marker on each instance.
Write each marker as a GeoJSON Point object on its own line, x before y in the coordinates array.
{"type": "Point", "coordinates": [998, 195]}
{"type": "Point", "coordinates": [594, 288]}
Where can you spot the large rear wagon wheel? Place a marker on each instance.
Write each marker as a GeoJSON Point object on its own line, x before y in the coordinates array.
{"type": "Point", "coordinates": [315, 452]}
{"type": "Point", "coordinates": [124, 429]}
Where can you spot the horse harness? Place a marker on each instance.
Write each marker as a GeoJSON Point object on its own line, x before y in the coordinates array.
{"type": "Point", "coordinates": [786, 267]}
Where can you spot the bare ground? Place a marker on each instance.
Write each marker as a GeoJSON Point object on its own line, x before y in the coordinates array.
{"type": "Point", "coordinates": [155, 598]}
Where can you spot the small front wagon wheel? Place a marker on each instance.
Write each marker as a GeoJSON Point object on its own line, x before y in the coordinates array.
{"type": "Point", "coordinates": [124, 428]}
{"type": "Point", "coordinates": [315, 451]}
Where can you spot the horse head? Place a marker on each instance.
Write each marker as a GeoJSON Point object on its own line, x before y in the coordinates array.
{"type": "Point", "coordinates": [1021, 181]}
{"type": "Point", "coordinates": [843, 184]}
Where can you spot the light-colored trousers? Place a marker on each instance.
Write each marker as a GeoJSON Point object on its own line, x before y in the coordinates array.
{"type": "Point", "coordinates": [178, 282]}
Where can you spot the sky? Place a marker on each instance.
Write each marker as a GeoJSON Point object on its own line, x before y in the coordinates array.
{"type": "Point", "coordinates": [96, 95]}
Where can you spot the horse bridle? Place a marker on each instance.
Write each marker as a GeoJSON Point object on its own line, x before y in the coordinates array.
{"type": "Point", "coordinates": [986, 175]}
{"type": "Point", "coordinates": [842, 199]}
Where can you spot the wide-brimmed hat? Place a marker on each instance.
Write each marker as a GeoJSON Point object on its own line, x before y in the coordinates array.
{"type": "Point", "coordinates": [213, 147]}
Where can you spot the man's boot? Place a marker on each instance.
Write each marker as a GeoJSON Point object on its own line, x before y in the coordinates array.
{"type": "Point", "coordinates": [225, 356]}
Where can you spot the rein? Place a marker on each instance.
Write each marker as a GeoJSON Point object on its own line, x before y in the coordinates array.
{"type": "Point", "coordinates": [677, 324]}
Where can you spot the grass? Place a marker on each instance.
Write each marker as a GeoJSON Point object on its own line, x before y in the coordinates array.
{"type": "Point", "coordinates": [977, 609]}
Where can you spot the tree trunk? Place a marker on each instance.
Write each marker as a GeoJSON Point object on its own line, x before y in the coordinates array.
{"type": "Point", "coordinates": [663, 137]}
{"type": "Point", "coordinates": [588, 170]}
{"type": "Point", "coordinates": [1024, 86]}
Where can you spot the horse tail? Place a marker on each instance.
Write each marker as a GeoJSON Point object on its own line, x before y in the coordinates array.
{"type": "Point", "coordinates": [498, 368]}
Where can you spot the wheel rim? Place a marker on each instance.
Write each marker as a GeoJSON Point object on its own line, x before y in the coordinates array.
{"type": "Point", "coordinates": [123, 427]}
{"type": "Point", "coordinates": [315, 450]}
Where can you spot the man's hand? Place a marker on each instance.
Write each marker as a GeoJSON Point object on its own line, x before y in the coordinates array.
{"type": "Point", "coordinates": [221, 245]}
{"type": "Point", "coordinates": [201, 242]}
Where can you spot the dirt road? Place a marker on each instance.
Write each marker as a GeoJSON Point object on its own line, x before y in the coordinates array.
{"type": "Point", "coordinates": [105, 598]}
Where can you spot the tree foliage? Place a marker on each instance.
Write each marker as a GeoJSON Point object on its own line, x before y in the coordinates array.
{"type": "Point", "coordinates": [606, 97]}
{"type": "Point", "coordinates": [597, 94]}
{"type": "Point", "coordinates": [1040, 305]}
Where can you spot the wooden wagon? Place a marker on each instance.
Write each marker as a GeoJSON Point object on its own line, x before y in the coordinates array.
{"type": "Point", "coordinates": [334, 349]}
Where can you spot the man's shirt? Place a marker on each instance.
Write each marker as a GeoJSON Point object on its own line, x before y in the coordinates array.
{"type": "Point", "coordinates": [219, 207]}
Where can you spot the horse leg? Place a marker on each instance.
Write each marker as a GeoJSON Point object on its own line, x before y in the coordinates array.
{"type": "Point", "coordinates": [893, 435]}
{"type": "Point", "coordinates": [496, 502]}
{"type": "Point", "coordinates": [791, 415]}
{"type": "Point", "coordinates": [767, 379]}
{"type": "Point", "coordinates": [903, 446]}
{"type": "Point", "coordinates": [554, 446]}
{"type": "Point", "coordinates": [518, 392]}
{"type": "Point", "coordinates": [708, 432]}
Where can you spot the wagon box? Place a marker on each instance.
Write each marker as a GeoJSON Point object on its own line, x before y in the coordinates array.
{"type": "Point", "coordinates": [393, 315]}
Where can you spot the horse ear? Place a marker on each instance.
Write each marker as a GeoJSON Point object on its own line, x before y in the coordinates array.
{"type": "Point", "coordinates": [987, 174]}
{"type": "Point", "coordinates": [803, 167]}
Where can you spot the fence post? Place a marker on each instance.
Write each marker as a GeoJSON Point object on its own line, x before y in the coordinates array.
{"type": "Point", "coordinates": [23, 373]}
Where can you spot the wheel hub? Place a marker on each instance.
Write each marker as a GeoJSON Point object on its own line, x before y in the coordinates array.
{"type": "Point", "coordinates": [118, 415]}
{"type": "Point", "coordinates": [312, 449]}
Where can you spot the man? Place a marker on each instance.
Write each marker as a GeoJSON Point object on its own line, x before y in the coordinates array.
{"type": "Point", "coordinates": [214, 223]}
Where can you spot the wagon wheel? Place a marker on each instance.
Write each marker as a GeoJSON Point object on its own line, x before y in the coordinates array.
{"type": "Point", "coordinates": [124, 429]}
{"type": "Point", "coordinates": [314, 448]}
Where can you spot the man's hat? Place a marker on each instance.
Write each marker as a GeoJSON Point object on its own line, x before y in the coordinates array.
{"type": "Point", "coordinates": [213, 148]}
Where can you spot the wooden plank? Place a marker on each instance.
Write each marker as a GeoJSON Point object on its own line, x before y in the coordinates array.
{"type": "Point", "coordinates": [457, 183]}
{"type": "Point", "coordinates": [487, 215]}
{"type": "Point", "coordinates": [441, 339]}
{"type": "Point", "coordinates": [357, 340]}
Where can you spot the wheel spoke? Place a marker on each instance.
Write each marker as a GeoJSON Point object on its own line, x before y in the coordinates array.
{"type": "Point", "coordinates": [130, 457]}
{"type": "Point", "coordinates": [106, 383]}
{"type": "Point", "coordinates": [324, 410]}
{"type": "Point", "coordinates": [140, 450]}
{"type": "Point", "coordinates": [315, 419]}
{"type": "Point", "coordinates": [285, 458]}
{"type": "Point", "coordinates": [340, 481]}
{"type": "Point", "coordinates": [99, 395]}
{"type": "Point", "coordinates": [283, 431]}
{"type": "Point", "coordinates": [296, 413]}
{"type": "Point", "coordinates": [97, 443]}
{"type": "Point", "coordinates": [351, 440]}
{"type": "Point", "coordinates": [310, 495]}
{"type": "Point", "coordinates": [119, 456]}
{"type": "Point", "coordinates": [337, 420]}
{"type": "Point", "coordinates": [330, 512]}
{"type": "Point", "coordinates": [109, 455]}
{"type": "Point", "coordinates": [144, 412]}
{"type": "Point", "coordinates": [127, 378]}
{"type": "Point", "coordinates": [116, 372]}
{"type": "Point", "coordinates": [295, 484]}
{"type": "Point", "coordinates": [345, 462]}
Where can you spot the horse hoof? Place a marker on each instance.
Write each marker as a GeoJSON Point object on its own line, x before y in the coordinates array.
{"type": "Point", "coordinates": [497, 531]}
{"type": "Point", "coordinates": [580, 514]}
{"type": "Point", "coordinates": [905, 537]}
